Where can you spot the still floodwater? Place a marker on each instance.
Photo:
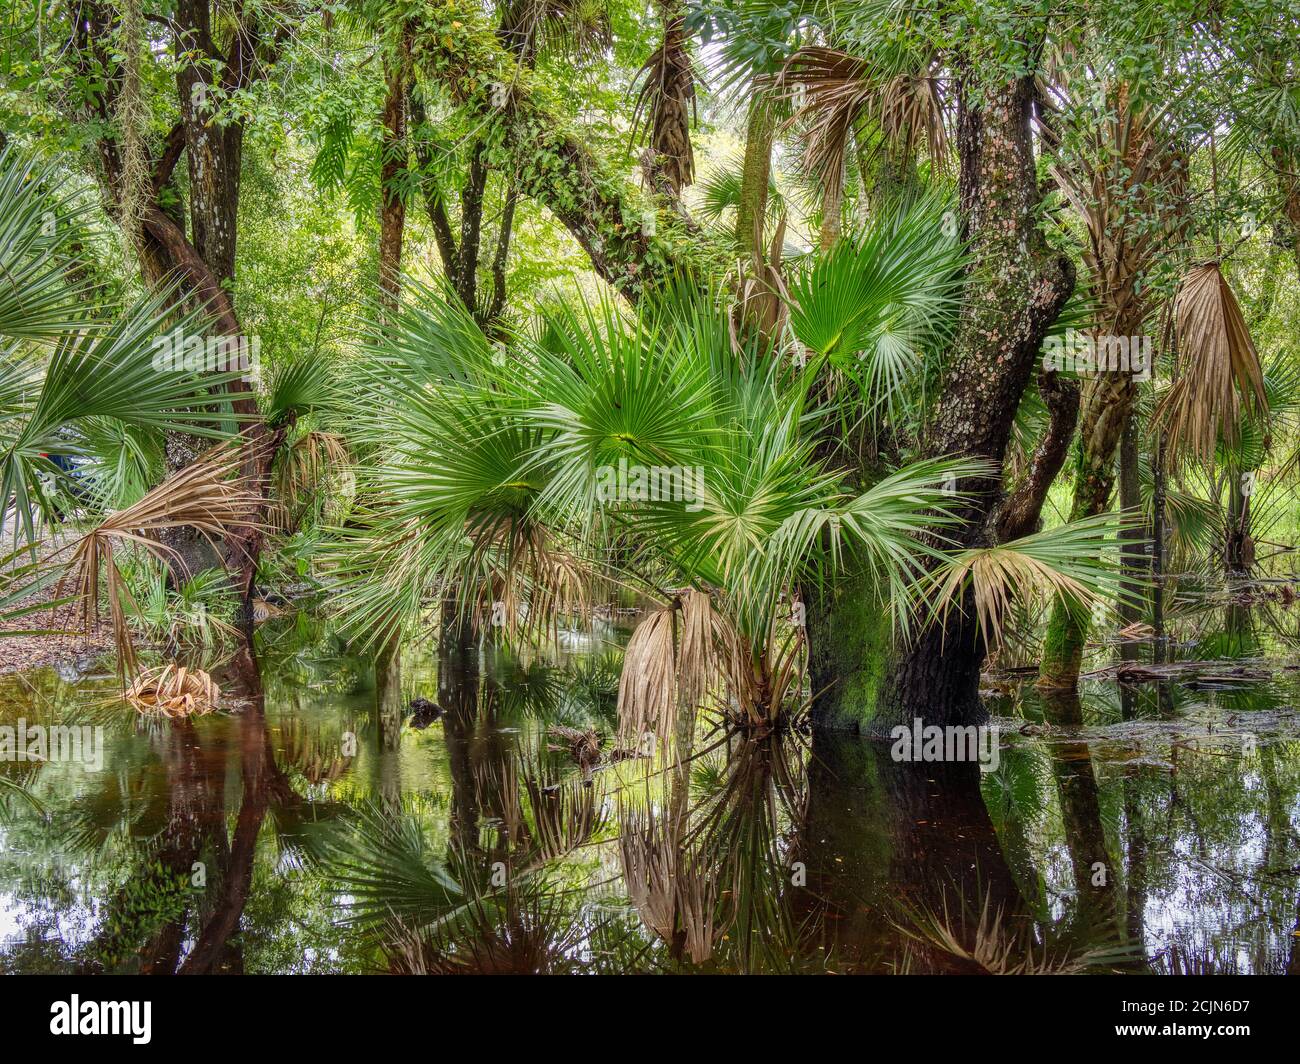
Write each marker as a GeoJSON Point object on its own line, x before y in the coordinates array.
{"type": "Point", "coordinates": [1150, 827]}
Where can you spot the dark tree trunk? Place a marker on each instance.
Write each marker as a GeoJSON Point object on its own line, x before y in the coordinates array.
{"type": "Point", "coordinates": [392, 210]}
{"type": "Point", "coordinates": [1023, 510]}
{"type": "Point", "coordinates": [214, 150]}
{"type": "Point", "coordinates": [1097, 881]}
{"type": "Point", "coordinates": [204, 260]}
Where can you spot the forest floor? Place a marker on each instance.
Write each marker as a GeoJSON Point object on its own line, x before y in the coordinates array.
{"type": "Point", "coordinates": [47, 637]}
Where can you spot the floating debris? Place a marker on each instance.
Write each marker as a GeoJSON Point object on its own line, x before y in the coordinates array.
{"type": "Point", "coordinates": [424, 713]}
{"type": "Point", "coordinates": [174, 691]}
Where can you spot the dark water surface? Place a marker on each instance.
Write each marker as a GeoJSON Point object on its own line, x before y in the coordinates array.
{"type": "Point", "coordinates": [1148, 826]}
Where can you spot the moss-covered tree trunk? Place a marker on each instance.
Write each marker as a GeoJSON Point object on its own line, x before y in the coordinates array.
{"type": "Point", "coordinates": [1133, 554]}
{"type": "Point", "coordinates": [848, 631]}
{"type": "Point", "coordinates": [1018, 285]}
{"type": "Point", "coordinates": [756, 174]}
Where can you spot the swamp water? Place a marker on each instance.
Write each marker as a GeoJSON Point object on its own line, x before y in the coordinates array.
{"type": "Point", "coordinates": [1151, 825]}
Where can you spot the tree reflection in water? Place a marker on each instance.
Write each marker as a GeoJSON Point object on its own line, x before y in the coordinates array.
{"type": "Point", "coordinates": [315, 829]}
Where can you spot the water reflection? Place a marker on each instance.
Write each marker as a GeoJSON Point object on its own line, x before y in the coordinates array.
{"type": "Point", "coordinates": [324, 826]}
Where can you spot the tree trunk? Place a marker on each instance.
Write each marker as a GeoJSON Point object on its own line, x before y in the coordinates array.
{"type": "Point", "coordinates": [547, 162]}
{"type": "Point", "coordinates": [205, 259]}
{"type": "Point", "coordinates": [392, 211]}
{"type": "Point", "coordinates": [1108, 404]}
{"type": "Point", "coordinates": [1238, 544]}
{"type": "Point", "coordinates": [755, 177]}
{"type": "Point", "coordinates": [1133, 537]}
{"type": "Point", "coordinates": [1020, 285]}
{"type": "Point", "coordinates": [1021, 514]}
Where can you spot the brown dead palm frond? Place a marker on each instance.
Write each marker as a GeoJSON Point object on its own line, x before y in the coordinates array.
{"type": "Point", "coordinates": [842, 93]}
{"type": "Point", "coordinates": [688, 668]}
{"type": "Point", "coordinates": [303, 469]}
{"type": "Point", "coordinates": [666, 106]}
{"type": "Point", "coordinates": [998, 577]}
{"type": "Point", "coordinates": [204, 496]}
{"type": "Point", "coordinates": [174, 691]}
{"type": "Point", "coordinates": [697, 659]}
{"type": "Point", "coordinates": [1218, 377]}
{"type": "Point", "coordinates": [526, 579]}
{"type": "Point", "coordinates": [583, 746]}
{"type": "Point", "coordinates": [1067, 562]}
{"type": "Point", "coordinates": [648, 685]}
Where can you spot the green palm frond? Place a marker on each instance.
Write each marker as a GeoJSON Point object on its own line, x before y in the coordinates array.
{"type": "Point", "coordinates": [1075, 562]}
{"type": "Point", "coordinates": [876, 306]}
{"type": "Point", "coordinates": [38, 301]}
{"type": "Point", "coordinates": [107, 373]}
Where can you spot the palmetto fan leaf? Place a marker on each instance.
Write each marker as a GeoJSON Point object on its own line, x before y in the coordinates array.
{"type": "Point", "coordinates": [37, 299]}
{"type": "Point", "coordinates": [450, 503]}
{"type": "Point", "coordinates": [613, 389]}
{"type": "Point", "coordinates": [106, 373]}
{"type": "Point", "coordinates": [1067, 562]}
{"type": "Point", "coordinates": [873, 307]}
{"type": "Point", "coordinates": [720, 193]}
{"type": "Point", "coordinates": [382, 862]}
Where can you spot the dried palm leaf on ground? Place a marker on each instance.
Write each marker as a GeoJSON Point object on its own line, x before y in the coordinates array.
{"type": "Point", "coordinates": [1219, 376]}
{"type": "Point", "coordinates": [174, 691]}
{"type": "Point", "coordinates": [264, 611]}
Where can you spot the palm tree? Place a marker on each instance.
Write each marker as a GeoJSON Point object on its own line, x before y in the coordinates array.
{"type": "Point", "coordinates": [519, 480]}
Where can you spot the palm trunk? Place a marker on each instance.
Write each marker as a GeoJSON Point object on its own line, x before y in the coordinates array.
{"type": "Point", "coordinates": [1108, 404]}
{"type": "Point", "coordinates": [755, 177]}
{"type": "Point", "coordinates": [1133, 537]}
